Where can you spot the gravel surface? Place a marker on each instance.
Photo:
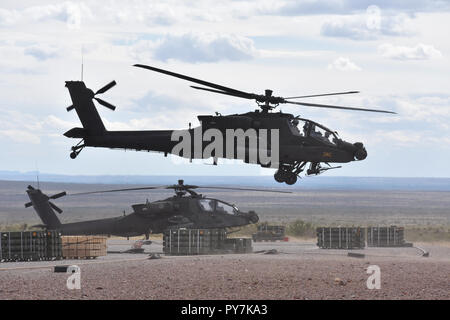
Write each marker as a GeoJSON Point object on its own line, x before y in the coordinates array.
{"type": "Point", "coordinates": [297, 271]}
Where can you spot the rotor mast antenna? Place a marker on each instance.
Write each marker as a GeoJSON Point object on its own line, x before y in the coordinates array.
{"type": "Point", "coordinates": [37, 175]}
{"type": "Point", "coordinates": [82, 62]}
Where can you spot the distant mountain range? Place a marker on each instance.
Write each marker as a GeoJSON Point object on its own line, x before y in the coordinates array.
{"type": "Point", "coordinates": [319, 182]}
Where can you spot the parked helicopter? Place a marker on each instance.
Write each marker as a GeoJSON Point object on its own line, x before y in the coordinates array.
{"type": "Point", "coordinates": [301, 141]}
{"type": "Point", "coordinates": [185, 209]}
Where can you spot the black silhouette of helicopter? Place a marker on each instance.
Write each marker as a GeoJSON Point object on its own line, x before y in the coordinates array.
{"type": "Point", "coordinates": [301, 141]}
{"type": "Point", "coordinates": [185, 209]}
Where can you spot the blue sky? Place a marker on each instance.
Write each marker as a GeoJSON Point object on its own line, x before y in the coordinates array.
{"type": "Point", "coordinates": [395, 52]}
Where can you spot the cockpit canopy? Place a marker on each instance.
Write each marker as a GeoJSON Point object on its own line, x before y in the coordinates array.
{"type": "Point", "coordinates": [217, 206]}
{"type": "Point", "coordinates": [308, 128]}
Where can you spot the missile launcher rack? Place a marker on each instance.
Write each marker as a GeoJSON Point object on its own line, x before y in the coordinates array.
{"type": "Point", "coordinates": [203, 241]}
{"type": "Point", "coordinates": [340, 237]}
{"type": "Point", "coordinates": [30, 246]}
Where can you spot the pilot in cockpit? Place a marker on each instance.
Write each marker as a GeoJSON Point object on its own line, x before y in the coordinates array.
{"type": "Point", "coordinates": [295, 124]}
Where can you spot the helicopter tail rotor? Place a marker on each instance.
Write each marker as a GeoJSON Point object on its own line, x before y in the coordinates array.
{"type": "Point", "coordinates": [44, 207]}
{"type": "Point", "coordinates": [43, 197]}
{"type": "Point", "coordinates": [102, 90]}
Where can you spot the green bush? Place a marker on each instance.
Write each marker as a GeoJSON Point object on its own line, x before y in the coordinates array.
{"type": "Point", "coordinates": [301, 228]}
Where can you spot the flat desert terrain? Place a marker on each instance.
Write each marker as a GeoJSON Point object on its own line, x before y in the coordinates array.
{"type": "Point", "coordinates": [359, 207]}
{"type": "Point", "coordinates": [299, 270]}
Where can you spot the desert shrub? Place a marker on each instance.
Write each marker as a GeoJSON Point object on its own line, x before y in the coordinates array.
{"type": "Point", "coordinates": [14, 227]}
{"type": "Point", "coordinates": [300, 228]}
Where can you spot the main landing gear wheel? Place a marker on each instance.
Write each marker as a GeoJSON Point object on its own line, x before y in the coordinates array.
{"type": "Point", "coordinates": [285, 176]}
{"type": "Point", "coordinates": [291, 179]}
{"type": "Point", "coordinates": [279, 176]}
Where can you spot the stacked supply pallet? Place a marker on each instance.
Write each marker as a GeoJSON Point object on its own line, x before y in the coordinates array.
{"type": "Point", "coordinates": [340, 237]}
{"type": "Point", "coordinates": [75, 247]}
{"type": "Point", "coordinates": [392, 236]}
{"type": "Point", "coordinates": [30, 245]}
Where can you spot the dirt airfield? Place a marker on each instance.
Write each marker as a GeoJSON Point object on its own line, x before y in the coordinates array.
{"type": "Point", "coordinates": [298, 270]}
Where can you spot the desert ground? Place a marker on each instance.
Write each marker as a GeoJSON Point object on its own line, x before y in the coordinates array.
{"type": "Point", "coordinates": [298, 270]}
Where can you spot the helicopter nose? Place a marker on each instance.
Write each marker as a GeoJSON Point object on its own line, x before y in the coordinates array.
{"type": "Point", "coordinates": [361, 152]}
{"type": "Point", "coordinates": [253, 217]}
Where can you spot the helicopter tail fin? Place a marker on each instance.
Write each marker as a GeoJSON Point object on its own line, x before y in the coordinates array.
{"type": "Point", "coordinates": [82, 102]}
{"type": "Point", "coordinates": [44, 208]}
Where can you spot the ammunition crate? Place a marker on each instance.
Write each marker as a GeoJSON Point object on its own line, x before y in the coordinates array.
{"type": "Point", "coordinates": [269, 233]}
{"type": "Point", "coordinates": [340, 237]}
{"type": "Point", "coordinates": [392, 236]}
{"type": "Point", "coordinates": [202, 241]}
{"type": "Point", "coordinates": [238, 245]}
{"type": "Point", "coordinates": [30, 246]}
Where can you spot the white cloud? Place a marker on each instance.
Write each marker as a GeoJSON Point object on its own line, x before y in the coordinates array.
{"type": "Point", "coordinates": [8, 17]}
{"type": "Point", "coordinates": [56, 123]}
{"type": "Point", "coordinates": [418, 52]}
{"type": "Point", "coordinates": [69, 12]}
{"type": "Point", "coordinates": [20, 136]}
{"type": "Point", "coordinates": [196, 47]}
{"type": "Point", "coordinates": [343, 64]}
{"type": "Point", "coordinates": [148, 13]}
{"type": "Point", "coordinates": [311, 7]}
{"type": "Point", "coordinates": [41, 53]}
{"type": "Point", "coordinates": [368, 26]}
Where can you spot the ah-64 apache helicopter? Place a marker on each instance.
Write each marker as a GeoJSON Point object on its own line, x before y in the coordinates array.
{"type": "Point", "coordinates": [185, 209]}
{"type": "Point", "coordinates": [301, 141]}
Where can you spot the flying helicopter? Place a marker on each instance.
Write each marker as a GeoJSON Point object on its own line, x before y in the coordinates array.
{"type": "Point", "coordinates": [186, 208]}
{"type": "Point", "coordinates": [303, 144]}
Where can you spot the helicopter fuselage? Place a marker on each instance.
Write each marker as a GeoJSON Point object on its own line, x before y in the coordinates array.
{"type": "Point", "coordinates": [151, 217]}
{"type": "Point", "coordinates": [296, 145]}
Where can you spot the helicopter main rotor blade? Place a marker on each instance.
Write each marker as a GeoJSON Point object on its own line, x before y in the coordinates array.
{"type": "Point", "coordinates": [243, 189]}
{"type": "Point", "coordinates": [106, 88]}
{"type": "Point", "coordinates": [224, 92]}
{"type": "Point", "coordinates": [117, 190]}
{"type": "Point", "coordinates": [321, 95]}
{"type": "Point", "coordinates": [202, 82]}
{"type": "Point", "coordinates": [337, 107]}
